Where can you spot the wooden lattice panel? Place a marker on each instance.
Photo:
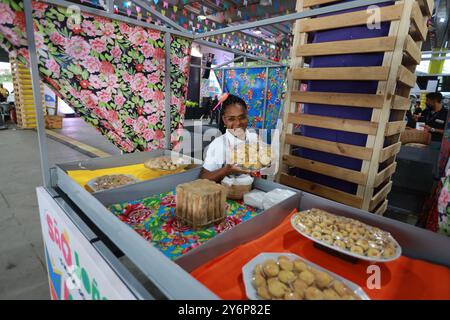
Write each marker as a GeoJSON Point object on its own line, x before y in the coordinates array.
{"type": "Point", "coordinates": [23, 95]}
{"type": "Point", "coordinates": [401, 53]}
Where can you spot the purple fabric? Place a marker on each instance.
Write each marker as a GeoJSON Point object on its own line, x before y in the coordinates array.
{"type": "Point", "coordinates": [370, 87]}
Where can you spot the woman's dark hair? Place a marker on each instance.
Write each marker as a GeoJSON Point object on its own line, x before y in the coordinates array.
{"type": "Point", "coordinates": [231, 100]}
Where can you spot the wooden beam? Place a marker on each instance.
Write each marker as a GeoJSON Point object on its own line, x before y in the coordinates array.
{"type": "Point", "coordinates": [345, 73]}
{"type": "Point", "coordinates": [350, 19]}
{"type": "Point", "coordinates": [394, 127]}
{"type": "Point", "coordinates": [380, 44]}
{"type": "Point", "coordinates": [321, 190]}
{"type": "Point", "coordinates": [339, 99]}
{"type": "Point", "coordinates": [389, 152]}
{"type": "Point", "coordinates": [412, 50]}
{"type": "Point", "coordinates": [426, 6]}
{"type": "Point", "coordinates": [401, 103]}
{"type": "Point", "coordinates": [326, 169]}
{"type": "Point", "coordinates": [406, 77]}
{"type": "Point", "coordinates": [382, 209]}
{"type": "Point", "coordinates": [384, 174]}
{"type": "Point", "coordinates": [311, 3]}
{"type": "Point", "coordinates": [341, 149]}
{"type": "Point", "coordinates": [419, 24]}
{"type": "Point", "coordinates": [292, 85]}
{"type": "Point", "coordinates": [380, 196]}
{"type": "Point", "coordinates": [357, 126]}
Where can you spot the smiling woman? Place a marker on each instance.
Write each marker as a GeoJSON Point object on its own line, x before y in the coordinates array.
{"type": "Point", "coordinates": [238, 149]}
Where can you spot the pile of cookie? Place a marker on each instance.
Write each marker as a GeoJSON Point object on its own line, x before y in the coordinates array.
{"type": "Point", "coordinates": [344, 233]}
{"type": "Point", "coordinates": [288, 279]}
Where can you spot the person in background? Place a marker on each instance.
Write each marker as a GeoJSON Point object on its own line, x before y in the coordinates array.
{"type": "Point", "coordinates": [435, 116]}
{"type": "Point", "coordinates": [412, 112]}
{"type": "Point", "coordinates": [213, 114]}
{"type": "Point", "coordinates": [4, 94]}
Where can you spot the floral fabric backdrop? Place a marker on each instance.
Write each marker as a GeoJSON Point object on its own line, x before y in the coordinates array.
{"type": "Point", "coordinates": [249, 84]}
{"type": "Point", "coordinates": [275, 90]}
{"type": "Point", "coordinates": [111, 72]}
{"type": "Point", "coordinates": [153, 218]}
{"type": "Point", "coordinates": [444, 207]}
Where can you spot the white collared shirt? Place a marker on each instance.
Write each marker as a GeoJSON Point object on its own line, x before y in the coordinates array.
{"type": "Point", "coordinates": [219, 150]}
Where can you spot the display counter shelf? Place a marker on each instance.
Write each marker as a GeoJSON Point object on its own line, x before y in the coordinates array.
{"type": "Point", "coordinates": [161, 277]}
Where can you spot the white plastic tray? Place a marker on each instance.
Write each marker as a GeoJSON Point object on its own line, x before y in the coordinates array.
{"type": "Point", "coordinates": [346, 252]}
{"type": "Point", "coordinates": [247, 273]}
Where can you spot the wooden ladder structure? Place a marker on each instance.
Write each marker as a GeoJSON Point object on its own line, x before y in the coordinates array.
{"type": "Point", "coordinates": [396, 76]}
{"type": "Point", "coordinates": [23, 95]}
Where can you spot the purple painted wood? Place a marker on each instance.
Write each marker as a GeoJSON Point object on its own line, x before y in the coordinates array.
{"type": "Point", "coordinates": [370, 87]}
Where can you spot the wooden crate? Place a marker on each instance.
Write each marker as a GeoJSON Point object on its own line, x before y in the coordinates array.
{"type": "Point", "coordinates": [401, 50]}
{"type": "Point", "coordinates": [23, 95]}
{"type": "Point", "coordinates": [53, 122]}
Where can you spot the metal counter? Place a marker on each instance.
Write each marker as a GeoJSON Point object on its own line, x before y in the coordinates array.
{"type": "Point", "coordinates": [172, 278]}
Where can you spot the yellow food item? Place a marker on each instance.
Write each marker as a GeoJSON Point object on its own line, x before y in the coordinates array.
{"type": "Point", "coordinates": [259, 280]}
{"type": "Point", "coordinates": [323, 279]}
{"type": "Point", "coordinates": [330, 294]}
{"type": "Point", "coordinates": [374, 253]}
{"type": "Point", "coordinates": [316, 235]}
{"type": "Point", "coordinates": [312, 293]}
{"type": "Point", "coordinates": [287, 279]}
{"type": "Point", "coordinates": [292, 296]}
{"type": "Point", "coordinates": [300, 285]}
{"type": "Point", "coordinates": [258, 270]}
{"type": "Point", "coordinates": [271, 270]}
{"type": "Point", "coordinates": [357, 250]}
{"type": "Point", "coordinates": [263, 292]}
{"type": "Point", "coordinates": [327, 238]}
{"type": "Point", "coordinates": [307, 277]}
{"type": "Point", "coordinates": [300, 266]}
{"type": "Point", "coordinates": [277, 289]}
{"type": "Point", "coordinates": [340, 244]}
{"type": "Point", "coordinates": [389, 252]}
{"type": "Point", "coordinates": [340, 288]}
{"type": "Point", "coordinates": [286, 264]}
{"type": "Point", "coordinates": [346, 233]}
{"type": "Point", "coordinates": [286, 276]}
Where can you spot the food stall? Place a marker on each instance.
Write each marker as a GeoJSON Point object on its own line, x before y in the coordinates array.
{"type": "Point", "coordinates": [88, 244]}
{"type": "Point", "coordinates": [124, 242]}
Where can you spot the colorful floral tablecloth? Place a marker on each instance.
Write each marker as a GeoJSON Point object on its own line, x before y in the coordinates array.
{"type": "Point", "coordinates": [153, 218]}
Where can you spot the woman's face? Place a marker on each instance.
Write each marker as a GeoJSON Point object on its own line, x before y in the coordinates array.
{"type": "Point", "coordinates": [235, 118]}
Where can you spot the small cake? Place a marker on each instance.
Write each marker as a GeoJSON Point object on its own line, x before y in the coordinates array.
{"type": "Point", "coordinates": [200, 203]}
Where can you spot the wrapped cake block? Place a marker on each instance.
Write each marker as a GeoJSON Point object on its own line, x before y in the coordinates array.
{"type": "Point", "coordinates": [200, 203]}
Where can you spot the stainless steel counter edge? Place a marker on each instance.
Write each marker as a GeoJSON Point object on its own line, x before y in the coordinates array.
{"type": "Point", "coordinates": [170, 278]}
{"type": "Point", "coordinates": [128, 279]}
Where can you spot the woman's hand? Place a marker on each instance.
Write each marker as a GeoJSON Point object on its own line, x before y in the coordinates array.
{"type": "Point", "coordinates": [233, 169]}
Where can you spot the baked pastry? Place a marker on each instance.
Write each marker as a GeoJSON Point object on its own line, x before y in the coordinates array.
{"type": "Point", "coordinates": [112, 181]}
{"type": "Point", "coordinates": [346, 234]}
{"type": "Point", "coordinates": [164, 163]}
{"type": "Point", "coordinates": [273, 280]}
{"type": "Point", "coordinates": [251, 156]}
{"type": "Point", "coordinates": [200, 203]}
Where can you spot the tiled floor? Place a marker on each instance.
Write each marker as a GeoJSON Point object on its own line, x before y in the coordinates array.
{"type": "Point", "coordinates": [22, 266]}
